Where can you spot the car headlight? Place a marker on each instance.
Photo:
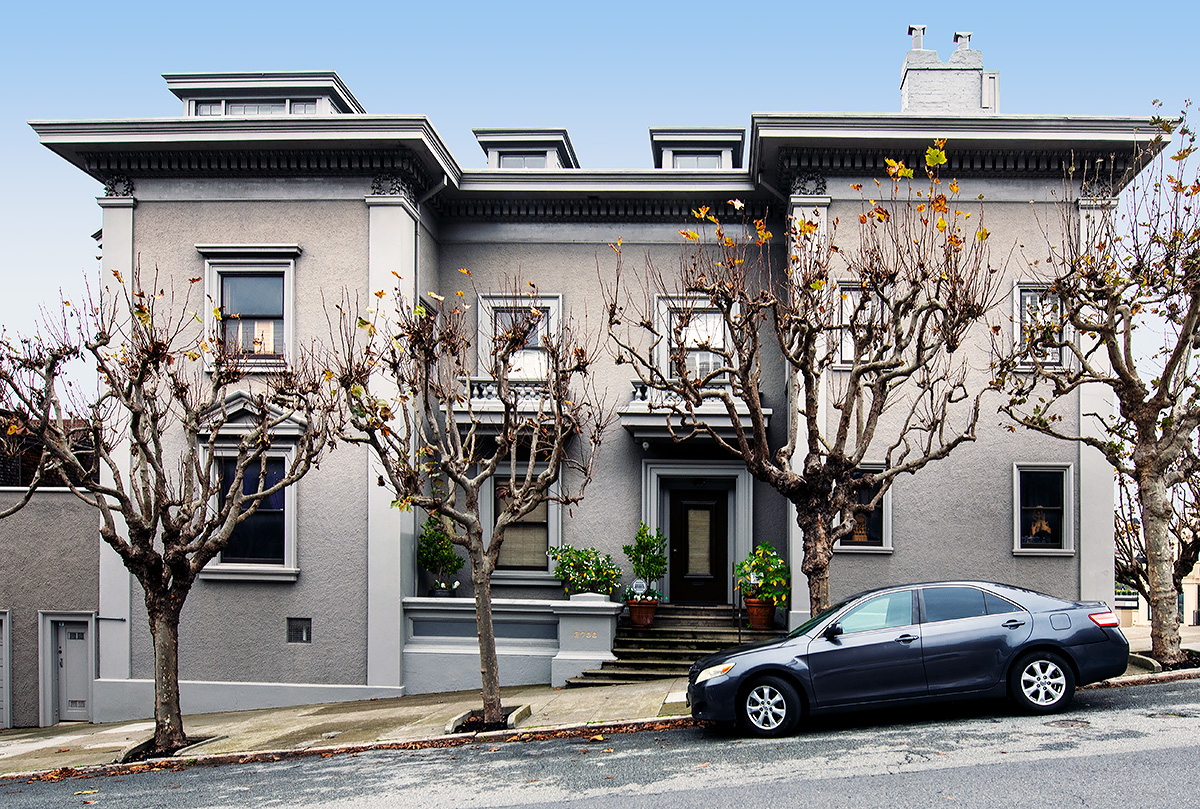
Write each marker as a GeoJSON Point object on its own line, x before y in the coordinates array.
{"type": "Point", "coordinates": [713, 671]}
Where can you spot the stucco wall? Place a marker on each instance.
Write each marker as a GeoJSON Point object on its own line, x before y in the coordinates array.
{"type": "Point", "coordinates": [51, 563]}
{"type": "Point", "coordinates": [237, 630]}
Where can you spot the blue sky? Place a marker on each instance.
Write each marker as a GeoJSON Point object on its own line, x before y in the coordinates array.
{"type": "Point", "coordinates": [606, 71]}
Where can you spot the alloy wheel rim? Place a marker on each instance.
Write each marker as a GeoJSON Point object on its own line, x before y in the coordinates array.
{"type": "Point", "coordinates": [1043, 682]}
{"type": "Point", "coordinates": [766, 707]}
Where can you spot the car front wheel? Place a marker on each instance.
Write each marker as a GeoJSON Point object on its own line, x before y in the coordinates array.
{"type": "Point", "coordinates": [1042, 682]}
{"type": "Point", "coordinates": [770, 707]}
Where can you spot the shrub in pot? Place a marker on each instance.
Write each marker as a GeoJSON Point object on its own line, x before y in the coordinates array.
{"type": "Point", "coordinates": [585, 570]}
{"type": "Point", "coordinates": [764, 580]}
{"type": "Point", "coordinates": [647, 555]}
{"type": "Point", "coordinates": [435, 554]}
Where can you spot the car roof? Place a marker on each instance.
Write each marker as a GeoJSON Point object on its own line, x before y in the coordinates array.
{"type": "Point", "coordinates": [1030, 599]}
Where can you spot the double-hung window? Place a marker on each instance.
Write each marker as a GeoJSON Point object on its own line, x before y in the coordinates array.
{"type": "Point", "coordinates": [499, 315]}
{"type": "Point", "coordinates": [872, 531]}
{"type": "Point", "coordinates": [1042, 510]}
{"type": "Point", "coordinates": [1038, 315]}
{"type": "Point", "coordinates": [522, 557]}
{"type": "Point", "coordinates": [250, 291]}
{"type": "Point", "coordinates": [695, 329]}
{"type": "Point", "coordinates": [522, 160]}
{"type": "Point", "coordinates": [263, 545]}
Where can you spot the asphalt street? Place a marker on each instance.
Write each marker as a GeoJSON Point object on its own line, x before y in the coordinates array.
{"type": "Point", "coordinates": [1113, 747]}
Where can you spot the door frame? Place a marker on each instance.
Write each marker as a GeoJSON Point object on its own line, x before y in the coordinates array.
{"type": "Point", "coordinates": [656, 479]}
{"type": "Point", "coordinates": [6, 639]}
{"type": "Point", "coordinates": [47, 668]}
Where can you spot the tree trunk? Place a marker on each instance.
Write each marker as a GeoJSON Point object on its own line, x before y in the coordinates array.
{"type": "Point", "coordinates": [489, 665]}
{"type": "Point", "coordinates": [1160, 568]}
{"type": "Point", "coordinates": [818, 552]}
{"type": "Point", "coordinates": [168, 720]}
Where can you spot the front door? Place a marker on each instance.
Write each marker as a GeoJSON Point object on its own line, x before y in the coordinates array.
{"type": "Point", "coordinates": [73, 677]}
{"type": "Point", "coordinates": [699, 546]}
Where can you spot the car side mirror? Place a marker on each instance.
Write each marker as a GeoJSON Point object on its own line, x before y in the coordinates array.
{"type": "Point", "coordinates": [832, 631]}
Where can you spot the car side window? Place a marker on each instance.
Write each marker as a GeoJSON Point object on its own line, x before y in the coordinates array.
{"type": "Point", "coordinates": [882, 612]}
{"type": "Point", "coordinates": [952, 603]}
{"type": "Point", "coordinates": [997, 605]}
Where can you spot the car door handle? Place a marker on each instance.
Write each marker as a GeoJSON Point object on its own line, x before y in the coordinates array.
{"type": "Point", "coordinates": [906, 639]}
{"type": "Point", "coordinates": [1012, 623]}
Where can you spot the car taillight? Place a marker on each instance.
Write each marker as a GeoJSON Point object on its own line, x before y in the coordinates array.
{"type": "Point", "coordinates": [1106, 618]}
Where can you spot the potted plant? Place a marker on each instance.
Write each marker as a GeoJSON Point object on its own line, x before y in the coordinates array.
{"type": "Point", "coordinates": [585, 570]}
{"type": "Point", "coordinates": [764, 581]}
{"type": "Point", "coordinates": [647, 555]}
{"type": "Point", "coordinates": [435, 554]}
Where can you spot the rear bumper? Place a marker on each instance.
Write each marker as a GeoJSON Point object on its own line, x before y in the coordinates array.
{"type": "Point", "coordinates": [1100, 661]}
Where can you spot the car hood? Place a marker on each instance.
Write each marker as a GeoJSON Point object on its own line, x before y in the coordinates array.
{"type": "Point", "coordinates": [736, 651]}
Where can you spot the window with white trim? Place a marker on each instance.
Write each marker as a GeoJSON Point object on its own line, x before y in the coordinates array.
{"type": "Point", "coordinates": [701, 333]}
{"type": "Point", "coordinates": [498, 314]}
{"type": "Point", "coordinates": [851, 318]}
{"type": "Point", "coordinates": [254, 106]}
{"type": "Point", "coordinates": [522, 160]}
{"type": "Point", "coordinates": [1038, 311]}
{"type": "Point", "coordinates": [263, 546]}
{"type": "Point", "coordinates": [696, 160]}
{"type": "Point", "coordinates": [523, 555]}
{"type": "Point", "coordinates": [873, 531]}
{"type": "Point", "coordinates": [1043, 515]}
{"type": "Point", "coordinates": [250, 291]}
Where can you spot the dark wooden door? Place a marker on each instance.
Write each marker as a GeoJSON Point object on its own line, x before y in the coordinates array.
{"type": "Point", "coordinates": [699, 542]}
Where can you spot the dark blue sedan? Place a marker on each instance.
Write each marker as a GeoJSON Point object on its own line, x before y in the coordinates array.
{"type": "Point", "coordinates": [919, 642]}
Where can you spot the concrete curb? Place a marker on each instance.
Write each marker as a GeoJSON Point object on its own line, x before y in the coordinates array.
{"type": "Point", "coordinates": [1147, 679]}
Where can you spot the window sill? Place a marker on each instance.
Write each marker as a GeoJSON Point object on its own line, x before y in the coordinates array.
{"type": "Point", "coordinates": [852, 549]}
{"type": "Point", "coordinates": [221, 572]}
{"type": "Point", "coordinates": [1043, 552]}
{"type": "Point", "coordinates": [527, 578]}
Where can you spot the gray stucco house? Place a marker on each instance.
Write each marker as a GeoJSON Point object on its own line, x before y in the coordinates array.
{"type": "Point", "coordinates": [278, 187]}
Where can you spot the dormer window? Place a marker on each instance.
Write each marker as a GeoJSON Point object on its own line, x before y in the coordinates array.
{"type": "Point", "coordinates": [280, 106]}
{"type": "Point", "coordinates": [696, 160]}
{"type": "Point", "coordinates": [305, 92]}
{"type": "Point", "coordinates": [255, 107]}
{"type": "Point", "coordinates": [522, 160]}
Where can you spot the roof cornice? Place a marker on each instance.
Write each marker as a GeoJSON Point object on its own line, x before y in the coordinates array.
{"type": "Point", "coordinates": [72, 139]}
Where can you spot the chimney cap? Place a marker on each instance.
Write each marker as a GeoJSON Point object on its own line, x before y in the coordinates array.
{"type": "Point", "coordinates": [963, 39]}
{"type": "Point", "coordinates": [917, 32]}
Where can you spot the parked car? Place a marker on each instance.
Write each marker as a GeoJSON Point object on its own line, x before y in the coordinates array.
{"type": "Point", "coordinates": [915, 643]}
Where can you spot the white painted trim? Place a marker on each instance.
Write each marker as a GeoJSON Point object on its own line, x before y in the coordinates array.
{"type": "Point", "coordinates": [741, 513]}
{"type": "Point", "coordinates": [485, 327]}
{"type": "Point", "coordinates": [242, 571]}
{"type": "Point", "coordinates": [886, 505]}
{"type": "Point", "coordinates": [6, 639]}
{"type": "Point", "coordinates": [1068, 548]}
{"type": "Point", "coordinates": [47, 670]}
{"type": "Point", "coordinates": [487, 516]}
{"type": "Point", "coordinates": [1018, 320]}
{"type": "Point", "coordinates": [221, 260]}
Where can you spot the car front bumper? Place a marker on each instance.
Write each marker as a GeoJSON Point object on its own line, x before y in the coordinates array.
{"type": "Point", "coordinates": [714, 700]}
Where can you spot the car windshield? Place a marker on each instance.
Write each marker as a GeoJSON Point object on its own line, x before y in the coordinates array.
{"type": "Point", "coordinates": [816, 619]}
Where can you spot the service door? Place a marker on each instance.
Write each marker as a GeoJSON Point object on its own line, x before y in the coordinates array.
{"type": "Point", "coordinates": [699, 546]}
{"type": "Point", "coordinates": [71, 646]}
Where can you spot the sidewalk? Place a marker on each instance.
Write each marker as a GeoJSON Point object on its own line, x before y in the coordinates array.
{"type": "Point", "coordinates": [339, 724]}
{"type": "Point", "coordinates": [356, 724]}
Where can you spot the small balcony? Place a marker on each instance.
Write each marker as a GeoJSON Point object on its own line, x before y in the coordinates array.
{"type": "Point", "coordinates": [646, 416]}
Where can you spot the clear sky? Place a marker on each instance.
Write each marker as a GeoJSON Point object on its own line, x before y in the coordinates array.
{"type": "Point", "coordinates": [607, 71]}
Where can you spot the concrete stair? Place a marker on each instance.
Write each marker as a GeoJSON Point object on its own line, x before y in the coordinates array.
{"type": "Point", "coordinates": [681, 635]}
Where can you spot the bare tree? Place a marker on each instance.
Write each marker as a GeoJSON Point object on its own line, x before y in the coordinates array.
{"type": "Point", "coordinates": [1184, 531]}
{"type": "Point", "coordinates": [169, 448]}
{"type": "Point", "coordinates": [533, 421]}
{"type": "Point", "coordinates": [875, 332]}
{"type": "Point", "coordinates": [1113, 283]}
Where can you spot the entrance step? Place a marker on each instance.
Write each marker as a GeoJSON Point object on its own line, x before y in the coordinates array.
{"type": "Point", "coordinates": [681, 635]}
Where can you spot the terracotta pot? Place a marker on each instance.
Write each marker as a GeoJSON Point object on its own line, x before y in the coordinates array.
{"type": "Point", "coordinates": [641, 613]}
{"type": "Point", "coordinates": [761, 613]}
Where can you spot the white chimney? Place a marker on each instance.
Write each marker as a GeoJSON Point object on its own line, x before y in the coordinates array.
{"type": "Point", "coordinates": [958, 86]}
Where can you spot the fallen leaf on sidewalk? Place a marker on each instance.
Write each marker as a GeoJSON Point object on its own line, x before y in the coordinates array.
{"type": "Point", "coordinates": [87, 792]}
{"type": "Point", "coordinates": [700, 766]}
{"type": "Point", "coordinates": [596, 738]}
{"type": "Point", "coordinates": [64, 750]}
{"type": "Point", "coordinates": [607, 750]}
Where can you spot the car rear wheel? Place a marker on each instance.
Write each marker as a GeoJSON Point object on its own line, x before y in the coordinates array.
{"type": "Point", "coordinates": [770, 707]}
{"type": "Point", "coordinates": [1042, 682]}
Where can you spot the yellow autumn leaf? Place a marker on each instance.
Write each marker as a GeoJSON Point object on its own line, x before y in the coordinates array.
{"type": "Point", "coordinates": [982, 234]}
{"type": "Point", "coordinates": [954, 186]}
{"type": "Point", "coordinates": [934, 157]}
{"type": "Point", "coordinates": [941, 224]}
